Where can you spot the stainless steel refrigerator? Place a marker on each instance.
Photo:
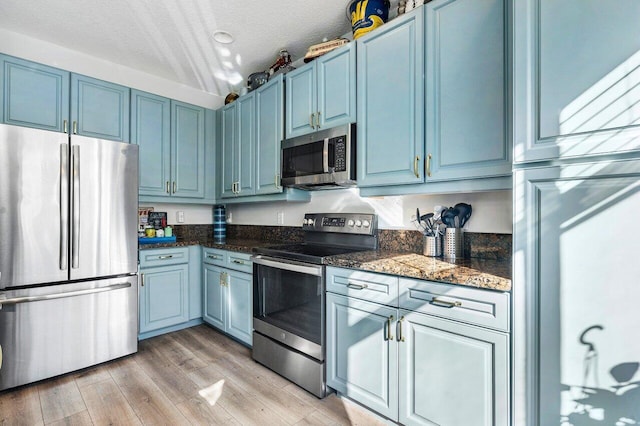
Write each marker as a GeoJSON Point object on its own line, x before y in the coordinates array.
{"type": "Point", "coordinates": [68, 253]}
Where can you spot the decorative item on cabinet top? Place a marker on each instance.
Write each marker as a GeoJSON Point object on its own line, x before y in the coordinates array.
{"type": "Point", "coordinates": [367, 15]}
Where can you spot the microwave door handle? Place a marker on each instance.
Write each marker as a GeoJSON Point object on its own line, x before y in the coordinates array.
{"type": "Point", "coordinates": [325, 156]}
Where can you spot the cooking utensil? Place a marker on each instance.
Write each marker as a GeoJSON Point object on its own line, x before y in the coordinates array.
{"type": "Point", "coordinates": [464, 213]}
{"type": "Point", "coordinates": [449, 217]}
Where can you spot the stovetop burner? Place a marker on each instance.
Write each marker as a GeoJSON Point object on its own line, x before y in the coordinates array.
{"type": "Point", "coordinates": [328, 234]}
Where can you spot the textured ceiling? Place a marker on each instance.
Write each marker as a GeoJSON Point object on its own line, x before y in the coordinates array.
{"type": "Point", "coordinates": [173, 38]}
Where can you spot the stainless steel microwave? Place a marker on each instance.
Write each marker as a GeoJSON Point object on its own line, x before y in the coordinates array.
{"type": "Point", "coordinates": [321, 160]}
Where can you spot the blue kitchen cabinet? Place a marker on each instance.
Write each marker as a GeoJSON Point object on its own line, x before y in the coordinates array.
{"type": "Point", "coordinates": [575, 78]}
{"type": "Point", "coordinates": [451, 373]}
{"type": "Point", "coordinates": [362, 355]}
{"type": "Point", "coordinates": [228, 293]}
{"type": "Point", "coordinates": [214, 309]}
{"type": "Point", "coordinates": [195, 283]}
{"type": "Point", "coordinates": [238, 144]}
{"type": "Point", "coordinates": [575, 293]}
{"type": "Point", "coordinates": [269, 130]}
{"type": "Point", "coordinates": [151, 131]}
{"type": "Point", "coordinates": [390, 103]}
{"type": "Point", "coordinates": [321, 94]}
{"type": "Point", "coordinates": [33, 95]}
{"type": "Point", "coordinates": [465, 90]}
{"type": "Point", "coordinates": [99, 109]}
{"type": "Point", "coordinates": [187, 150]}
{"type": "Point", "coordinates": [164, 297]}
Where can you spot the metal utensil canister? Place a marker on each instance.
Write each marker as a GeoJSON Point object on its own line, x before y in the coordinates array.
{"type": "Point", "coordinates": [453, 243]}
{"type": "Point", "coordinates": [432, 246]}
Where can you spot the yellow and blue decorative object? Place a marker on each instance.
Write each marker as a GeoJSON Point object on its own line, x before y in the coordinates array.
{"type": "Point", "coordinates": [366, 15]}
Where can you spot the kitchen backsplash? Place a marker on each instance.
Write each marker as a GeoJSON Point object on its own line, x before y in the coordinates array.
{"type": "Point", "coordinates": [478, 245]}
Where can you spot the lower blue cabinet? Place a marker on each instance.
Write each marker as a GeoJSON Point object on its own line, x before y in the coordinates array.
{"type": "Point", "coordinates": [362, 356]}
{"type": "Point", "coordinates": [164, 297]}
{"type": "Point", "coordinates": [228, 294]}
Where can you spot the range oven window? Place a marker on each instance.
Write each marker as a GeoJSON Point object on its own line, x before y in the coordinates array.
{"type": "Point", "coordinates": [303, 160]}
{"type": "Point", "coordinates": [289, 300]}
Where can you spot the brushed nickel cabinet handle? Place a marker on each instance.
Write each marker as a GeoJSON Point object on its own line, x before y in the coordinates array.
{"type": "Point", "coordinates": [318, 120]}
{"type": "Point", "coordinates": [175, 187]}
{"type": "Point", "coordinates": [238, 262]}
{"type": "Point", "coordinates": [75, 127]}
{"type": "Point", "coordinates": [356, 286]}
{"type": "Point", "coordinates": [389, 335]}
{"type": "Point", "coordinates": [399, 330]}
{"type": "Point", "coordinates": [429, 165]}
{"type": "Point", "coordinates": [65, 126]}
{"type": "Point", "coordinates": [142, 280]}
{"type": "Point", "coordinates": [444, 303]}
{"type": "Point", "coordinates": [277, 181]}
{"type": "Point", "coordinates": [168, 189]}
{"type": "Point", "coordinates": [313, 114]}
{"type": "Point", "coordinates": [213, 256]}
{"type": "Point", "coordinates": [415, 166]}
{"type": "Point", "coordinates": [166, 256]}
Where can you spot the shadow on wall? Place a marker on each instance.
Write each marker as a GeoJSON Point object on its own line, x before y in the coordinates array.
{"type": "Point", "coordinates": [617, 405]}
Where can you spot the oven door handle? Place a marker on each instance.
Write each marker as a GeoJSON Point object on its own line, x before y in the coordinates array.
{"type": "Point", "coordinates": [302, 268]}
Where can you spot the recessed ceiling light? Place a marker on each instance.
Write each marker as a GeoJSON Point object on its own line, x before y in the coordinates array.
{"type": "Point", "coordinates": [223, 37]}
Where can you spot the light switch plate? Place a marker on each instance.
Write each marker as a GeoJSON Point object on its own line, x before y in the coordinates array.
{"type": "Point", "coordinates": [180, 216]}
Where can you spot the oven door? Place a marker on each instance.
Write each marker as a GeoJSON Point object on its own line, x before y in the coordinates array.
{"type": "Point", "coordinates": [288, 303]}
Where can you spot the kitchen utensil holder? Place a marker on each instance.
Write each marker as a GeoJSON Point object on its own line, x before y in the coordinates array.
{"type": "Point", "coordinates": [453, 243]}
{"type": "Point", "coordinates": [432, 246]}
{"type": "Point", "coordinates": [219, 224]}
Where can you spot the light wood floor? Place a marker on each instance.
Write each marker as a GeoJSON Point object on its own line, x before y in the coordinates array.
{"type": "Point", "coordinates": [193, 376]}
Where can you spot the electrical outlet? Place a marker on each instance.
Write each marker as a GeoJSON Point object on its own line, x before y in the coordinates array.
{"type": "Point", "coordinates": [180, 216]}
{"type": "Point", "coordinates": [229, 217]}
{"type": "Point", "coordinates": [280, 218]}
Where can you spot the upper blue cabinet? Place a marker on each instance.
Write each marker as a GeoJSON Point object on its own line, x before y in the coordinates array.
{"type": "Point", "coordinates": [432, 99]}
{"type": "Point", "coordinates": [577, 67]}
{"type": "Point", "coordinates": [99, 109]}
{"type": "Point", "coordinates": [322, 94]}
{"type": "Point", "coordinates": [269, 129]}
{"type": "Point", "coordinates": [43, 97]}
{"type": "Point", "coordinates": [390, 102]}
{"type": "Point", "coordinates": [34, 95]}
{"type": "Point", "coordinates": [187, 150]}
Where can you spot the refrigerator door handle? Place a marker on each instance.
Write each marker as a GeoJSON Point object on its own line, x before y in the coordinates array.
{"type": "Point", "coordinates": [64, 206]}
{"type": "Point", "coordinates": [26, 299]}
{"type": "Point", "coordinates": [75, 214]}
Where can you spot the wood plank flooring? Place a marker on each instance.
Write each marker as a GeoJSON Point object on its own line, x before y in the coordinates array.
{"type": "Point", "coordinates": [194, 376]}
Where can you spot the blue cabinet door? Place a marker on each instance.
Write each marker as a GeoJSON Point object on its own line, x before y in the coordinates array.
{"type": "Point", "coordinates": [452, 373]}
{"type": "Point", "coordinates": [228, 131]}
{"type": "Point", "coordinates": [244, 152]}
{"type": "Point", "coordinates": [465, 124]}
{"type": "Point", "coordinates": [34, 95]}
{"type": "Point", "coordinates": [99, 109]}
{"type": "Point", "coordinates": [301, 101]}
{"type": "Point", "coordinates": [214, 308]}
{"type": "Point", "coordinates": [362, 354]}
{"type": "Point", "coordinates": [576, 356]}
{"type": "Point", "coordinates": [150, 130]}
{"type": "Point", "coordinates": [336, 85]}
{"type": "Point", "coordinates": [269, 129]}
{"type": "Point", "coordinates": [187, 150]}
{"type": "Point", "coordinates": [575, 78]}
{"type": "Point", "coordinates": [390, 103]}
{"type": "Point", "coordinates": [164, 297]}
{"type": "Point", "coordinates": [239, 315]}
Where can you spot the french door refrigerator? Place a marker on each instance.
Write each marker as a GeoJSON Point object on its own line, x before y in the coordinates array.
{"type": "Point", "coordinates": [68, 253]}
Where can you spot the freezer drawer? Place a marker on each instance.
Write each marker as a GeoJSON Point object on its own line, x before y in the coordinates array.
{"type": "Point", "coordinates": [51, 330]}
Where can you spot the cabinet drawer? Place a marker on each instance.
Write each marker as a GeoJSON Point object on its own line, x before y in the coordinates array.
{"type": "Point", "coordinates": [162, 257]}
{"type": "Point", "coordinates": [240, 262]}
{"type": "Point", "coordinates": [369, 286]}
{"type": "Point", "coordinates": [480, 307]}
{"type": "Point", "coordinates": [214, 257]}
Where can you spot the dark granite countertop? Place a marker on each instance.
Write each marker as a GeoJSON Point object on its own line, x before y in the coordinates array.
{"type": "Point", "coordinates": [473, 272]}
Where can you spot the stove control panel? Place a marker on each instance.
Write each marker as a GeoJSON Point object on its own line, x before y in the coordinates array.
{"type": "Point", "coordinates": [346, 223]}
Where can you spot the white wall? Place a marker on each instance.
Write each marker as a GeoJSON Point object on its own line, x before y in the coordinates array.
{"type": "Point", "coordinates": [60, 57]}
{"type": "Point", "coordinates": [193, 214]}
{"type": "Point", "coordinates": [492, 211]}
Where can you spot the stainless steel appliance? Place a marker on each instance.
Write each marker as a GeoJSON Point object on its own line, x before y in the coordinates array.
{"type": "Point", "coordinates": [321, 160]}
{"type": "Point", "coordinates": [68, 253]}
{"type": "Point", "coordinates": [289, 295]}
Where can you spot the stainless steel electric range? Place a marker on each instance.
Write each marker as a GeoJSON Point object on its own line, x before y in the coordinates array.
{"type": "Point", "coordinates": [289, 295]}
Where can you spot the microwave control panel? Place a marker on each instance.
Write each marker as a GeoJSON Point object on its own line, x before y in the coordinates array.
{"type": "Point", "coordinates": [340, 153]}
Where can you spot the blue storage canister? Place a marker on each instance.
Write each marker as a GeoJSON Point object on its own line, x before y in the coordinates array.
{"type": "Point", "coordinates": [219, 223]}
